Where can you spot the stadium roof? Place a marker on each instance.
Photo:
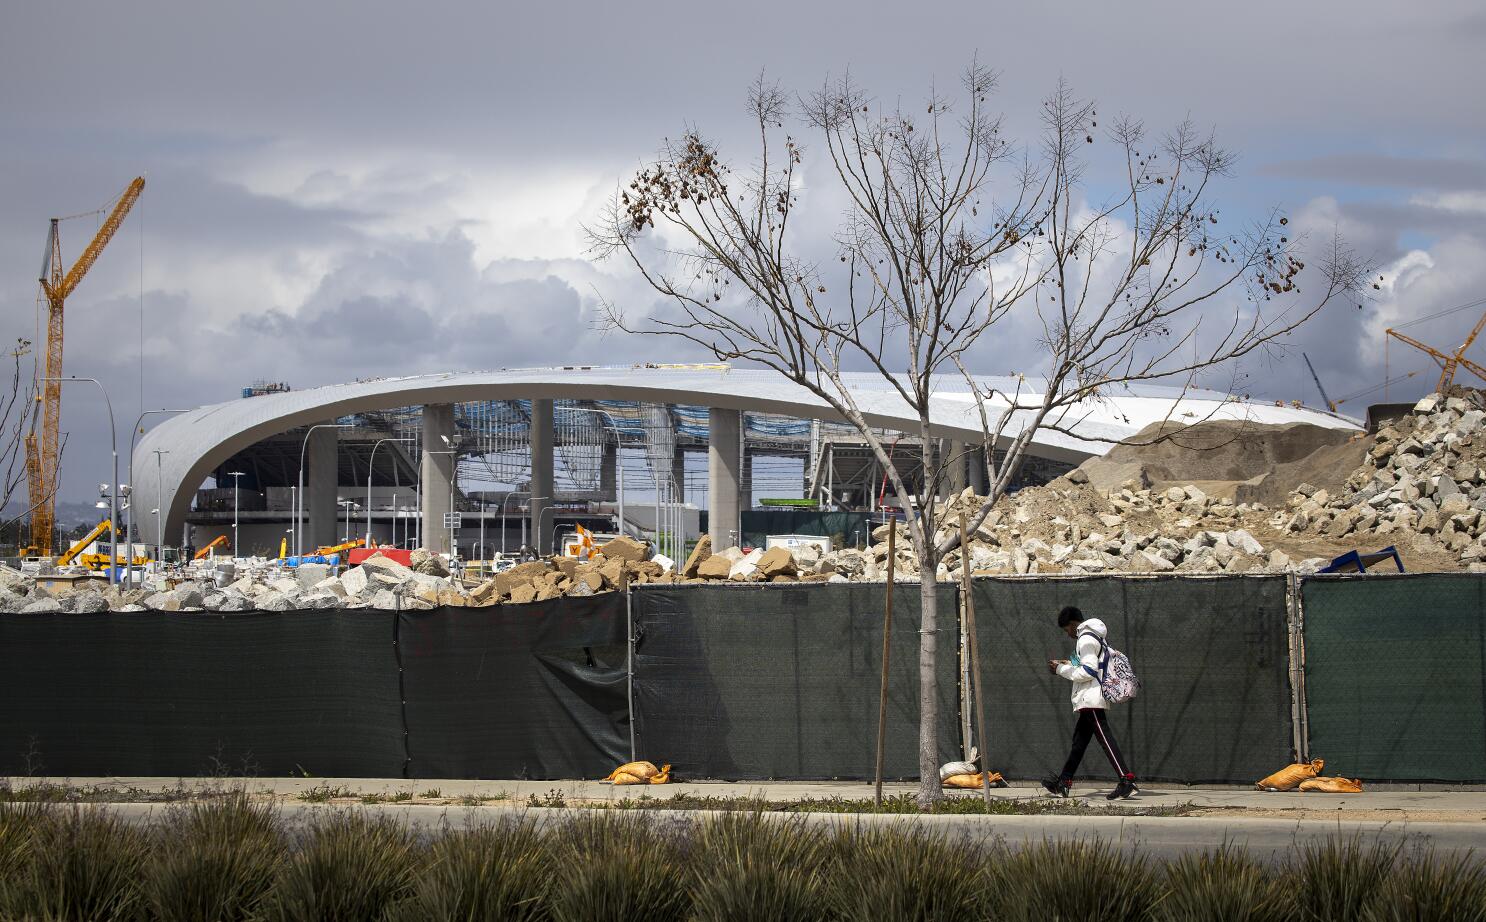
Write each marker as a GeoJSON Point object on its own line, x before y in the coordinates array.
{"type": "Point", "coordinates": [198, 441]}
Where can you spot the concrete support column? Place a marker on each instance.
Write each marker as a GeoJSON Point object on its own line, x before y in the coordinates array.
{"type": "Point", "coordinates": [955, 459]}
{"type": "Point", "coordinates": [609, 473]}
{"type": "Point", "coordinates": [437, 469]}
{"type": "Point", "coordinates": [979, 479]}
{"type": "Point", "coordinates": [724, 454]}
{"type": "Point", "coordinates": [541, 475]}
{"type": "Point", "coordinates": [678, 474]}
{"type": "Point", "coordinates": [321, 476]}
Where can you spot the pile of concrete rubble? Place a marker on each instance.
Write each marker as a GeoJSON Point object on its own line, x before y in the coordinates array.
{"type": "Point", "coordinates": [1423, 485]}
{"type": "Point", "coordinates": [378, 583]}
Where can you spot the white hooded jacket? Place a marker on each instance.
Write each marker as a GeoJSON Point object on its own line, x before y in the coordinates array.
{"type": "Point", "coordinates": [1083, 669]}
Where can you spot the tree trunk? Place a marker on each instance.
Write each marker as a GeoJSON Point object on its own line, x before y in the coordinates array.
{"type": "Point", "coordinates": [928, 683]}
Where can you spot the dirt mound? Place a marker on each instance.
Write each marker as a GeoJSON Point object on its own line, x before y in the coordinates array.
{"type": "Point", "coordinates": [1244, 461]}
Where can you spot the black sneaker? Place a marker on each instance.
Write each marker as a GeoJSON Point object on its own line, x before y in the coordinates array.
{"type": "Point", "coordinates": [1057, 787]}
{"type": "Point", "coordinates": [1122, 790]}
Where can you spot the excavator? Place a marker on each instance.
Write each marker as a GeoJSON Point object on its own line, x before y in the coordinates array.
{"type": "Point", "coordinates": [216, 542]}
{"type": "Point", "coordinates": [95, 561]}
{"type": "Point", "coordinates": [326, 550]}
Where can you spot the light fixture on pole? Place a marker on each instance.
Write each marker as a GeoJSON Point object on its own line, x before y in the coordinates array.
{"type": "Point", "coordinates": [348, 505]}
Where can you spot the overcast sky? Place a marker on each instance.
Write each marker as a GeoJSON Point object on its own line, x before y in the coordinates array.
{"type": "Point", "coordinates": [344, 190]}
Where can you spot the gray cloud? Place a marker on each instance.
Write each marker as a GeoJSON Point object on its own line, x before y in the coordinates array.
{"type": "Point", "coordinates": [1385, 171]}
{"type": "Point", "coordinates": [399, 189]}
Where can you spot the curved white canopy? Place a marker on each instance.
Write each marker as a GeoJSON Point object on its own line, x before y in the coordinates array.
{"type": "Point", "coordinates": [198, 441]}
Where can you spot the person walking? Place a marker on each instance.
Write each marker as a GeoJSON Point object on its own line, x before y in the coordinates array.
{"type": "Point", "coordinates": [1085, 670]}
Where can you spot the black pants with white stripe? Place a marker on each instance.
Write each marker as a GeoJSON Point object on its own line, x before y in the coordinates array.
{"type": "Point", "coordinates": [1092, 724]}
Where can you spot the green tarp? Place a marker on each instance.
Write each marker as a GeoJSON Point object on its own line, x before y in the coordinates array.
{"type": "Point", "coordinates": [1395, 676]}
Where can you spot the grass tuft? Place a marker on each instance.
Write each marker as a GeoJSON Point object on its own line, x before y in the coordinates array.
{"type": "Point", "coordinates": [1088, 879]}
{"type": "Point", "coordinates": [1339, 879]}
{"type": "Point", "coordinates": [1425, 888]}
{"type": "Point", "coordinates": [79, 864]}
{"type": "Point", "coordinates": [214, 860]}
{"type": "Point", "coordinates": [495, 872]}
{"type": "Point", "coordinates": [748, 868]}
{"type": "Point", "coordinates": [618, 867]}
{"type": "Point", "coordinates": [903, 874]}
{"type": "Point", "coordinates": [1224, 885]}
{"type": "Point", "coordinates": [348, 867]}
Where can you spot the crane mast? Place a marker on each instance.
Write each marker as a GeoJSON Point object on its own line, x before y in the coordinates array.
{"type": "Point", "coordinates": [43, 449]}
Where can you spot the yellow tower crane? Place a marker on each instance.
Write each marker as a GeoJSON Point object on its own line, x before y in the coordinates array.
{"type": "Point", "coordinates": [1448, 362]}
{"type": "Point", "coordinates": [42, 451]}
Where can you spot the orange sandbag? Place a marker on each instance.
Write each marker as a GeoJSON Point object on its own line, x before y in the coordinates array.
{"type": "Point", "coordinates": [1332, 785]}
{"type": "Point", "coordinates": [1290, 777]}
{"type": "Point", "coordinates": [641, 770]}
{"type": "Point", "coordinates": [640, 773]}
{"type": "Point", "coordinates": [973, 782]}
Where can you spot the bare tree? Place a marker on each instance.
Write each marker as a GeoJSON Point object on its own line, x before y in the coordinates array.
{"type": "Point", "coordinates": [952, 237]}
{"type": "Point", "coordinates": [18, 413]}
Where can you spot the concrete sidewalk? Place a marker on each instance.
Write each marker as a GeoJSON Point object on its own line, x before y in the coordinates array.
{"type": "Point", "coordinates": [1417, 806]}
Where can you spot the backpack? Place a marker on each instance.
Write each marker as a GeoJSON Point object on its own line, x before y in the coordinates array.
{"type": "Point", "coordinates": [1117, 680]}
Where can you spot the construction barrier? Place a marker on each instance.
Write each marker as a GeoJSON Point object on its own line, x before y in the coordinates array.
{"type": "Point", "coordinates": [196, 693]}
{"type": "Point", "coordinates": [520, 691]}
{"type": "Point", "coordinates": [1395, 675]}
{"type": "Point", "coordinates": [765, 681]}
{"type": "Point", "coordinates": [1211, 654]}
{"type": "Point", "coordinates": [746, 682]}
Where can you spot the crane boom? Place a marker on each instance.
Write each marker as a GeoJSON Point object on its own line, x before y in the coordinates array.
{"type": "Point", "coordinates": [1317, 378]}
{"type": "Point", "coordinates": [42, 452]}
{"type": "Point", "coordinates": [1448, 362]}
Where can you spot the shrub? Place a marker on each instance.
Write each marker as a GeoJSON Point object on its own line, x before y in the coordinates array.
{"type": "Point", "coordinates": [214, 860]}
{"type": "Point", "coordinates": [18, 827]}
{"type": "Point", "coordinates": [1071, 880]}
{"type": "Point", "coordinates": [620, 867]}
{"type": "Point", "coordinates": [1338, 879]}
{"type": "Point", "coordinates": [1225, 885]}
{"type": "Point", "coordinates": [748, 867]}
{"type": "Point", "coordinates": [905, 873]}
{"type": "Point", "coordinates": [85, 864]}
{"type": "Point", "coordinates": [349, 867]}
{"type": "Point", "coordinates": [495, 872]}
{"type": "Point", "coordinates": [1426, 888]}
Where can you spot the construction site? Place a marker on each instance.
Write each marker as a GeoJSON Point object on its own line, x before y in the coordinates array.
{"type": "Point", "coordinates": [666, 557]}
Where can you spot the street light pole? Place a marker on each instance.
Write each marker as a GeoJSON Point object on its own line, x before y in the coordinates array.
{"type": "Point", "coordinates": [299, 511]}
{"type": "Point", "coordinates": [160, 492]}
{"type": "Point", "coordinates": [371, 467]}
{"type": "Point", "coordinates": [113, 492]}
{"type": "Point", "coordinates": [129, 510]}
{"type": "Point", "coordinates": [236, 480]}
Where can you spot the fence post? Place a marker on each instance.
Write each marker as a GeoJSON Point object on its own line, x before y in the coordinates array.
{"type": "Point", "coordinates": [1300, 733]}
{"type": "Point", "coordinates": [629, 664]}
{"type": "Point", "coordinates": [887, 634]}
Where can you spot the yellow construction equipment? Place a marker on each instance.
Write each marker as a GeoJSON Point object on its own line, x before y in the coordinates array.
{"type": "Point", "coordinates": [42, 452]}
{"type": "Point", "coordinates": [328, 549]}
{"type": "Point", "coordinates": [216, 542]}
{"type": "Point", "coordinates": [1448, 362]}
{"type": "Point", "coordinates": [99, 530]}
{"type": "Point", "coordinates": [96, 561]}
